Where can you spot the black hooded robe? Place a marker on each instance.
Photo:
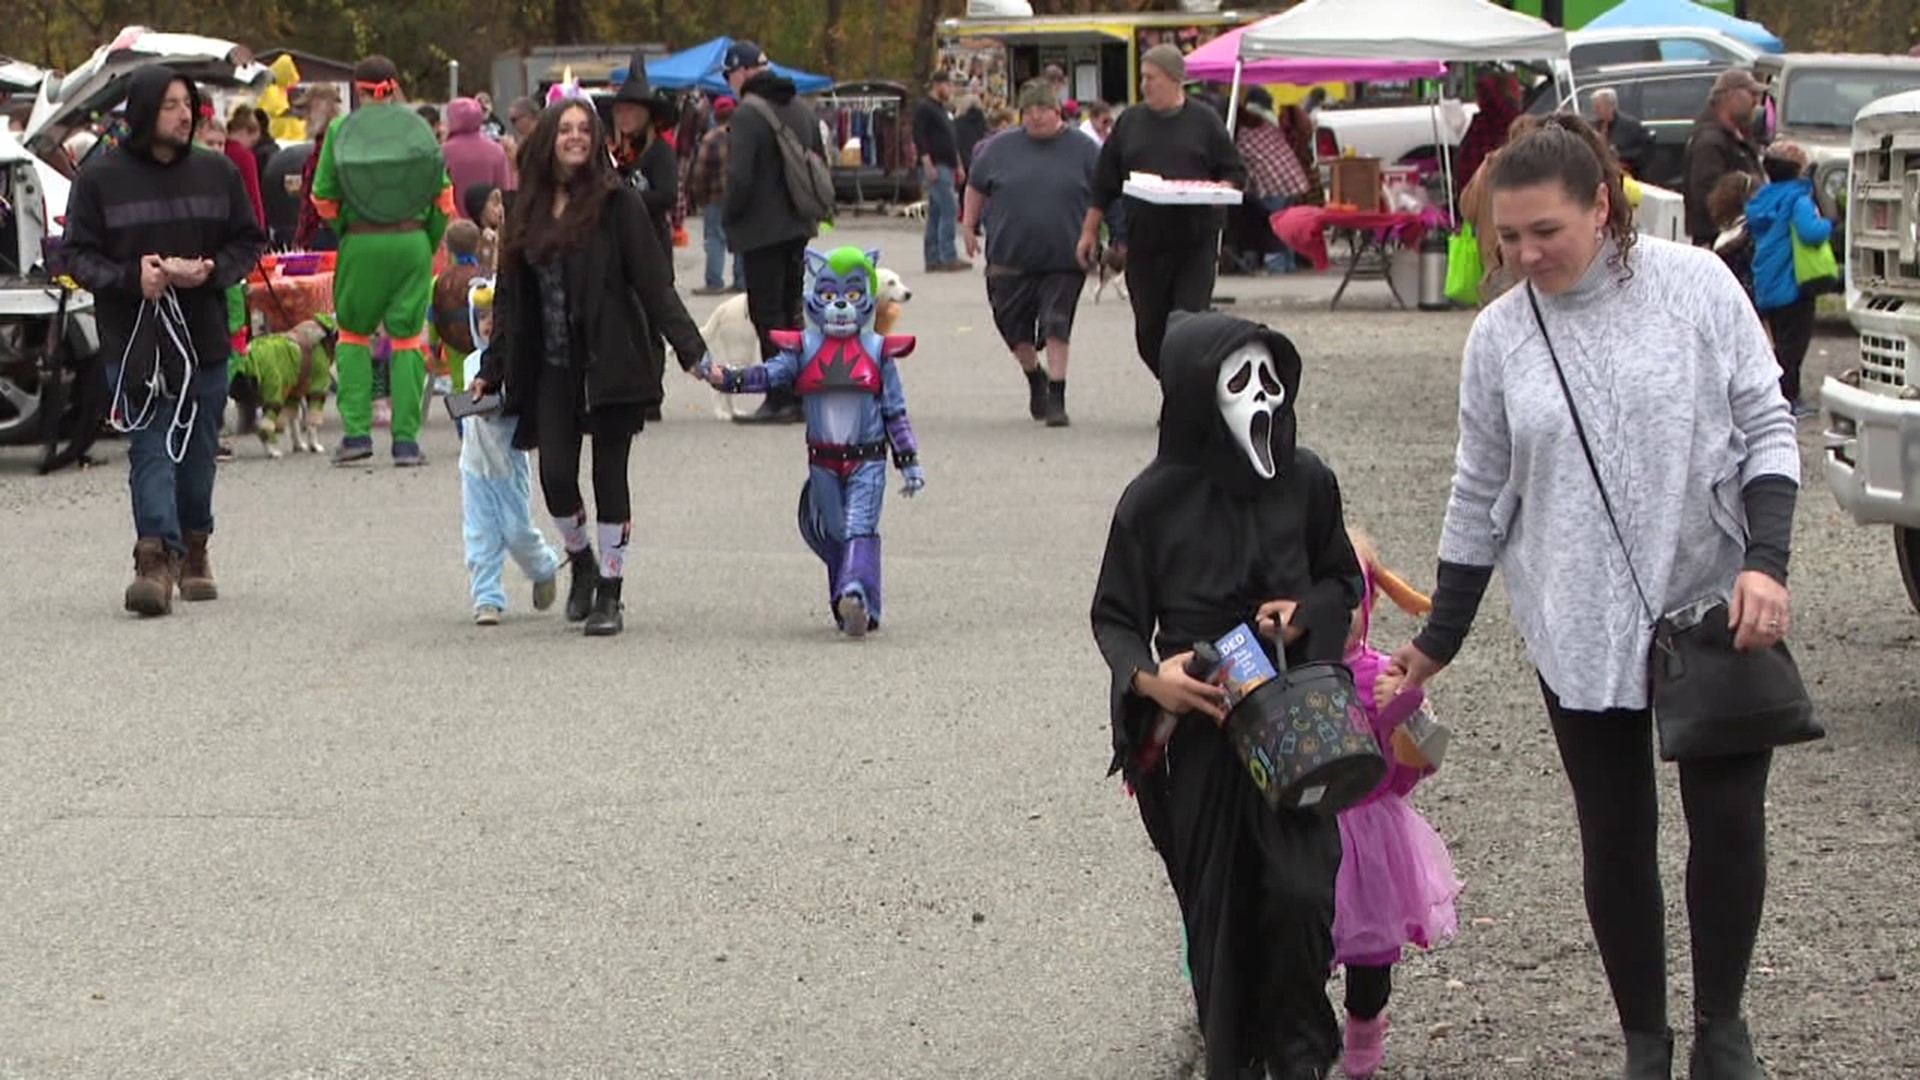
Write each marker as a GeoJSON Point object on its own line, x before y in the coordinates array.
{"type": "Point", "coordinates": [1199, 541]}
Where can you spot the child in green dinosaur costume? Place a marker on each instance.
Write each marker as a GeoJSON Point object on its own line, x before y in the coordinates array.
{"type": "Point", "coordinates": [382, 184]}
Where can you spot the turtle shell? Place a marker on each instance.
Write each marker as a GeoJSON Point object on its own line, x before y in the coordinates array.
{"type": "Point", "coordinates": [389, 165]}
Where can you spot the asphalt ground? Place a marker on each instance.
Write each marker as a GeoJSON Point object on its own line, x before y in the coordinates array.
{"type": "Point", "coordinates": [326, 827]}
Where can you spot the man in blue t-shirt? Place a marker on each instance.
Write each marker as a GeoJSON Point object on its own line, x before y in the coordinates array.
{"type": "Point", "coordinates": [1033, 184]}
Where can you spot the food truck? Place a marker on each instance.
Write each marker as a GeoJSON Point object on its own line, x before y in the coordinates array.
{"type": "Point", "coordinates": [1100, 54]}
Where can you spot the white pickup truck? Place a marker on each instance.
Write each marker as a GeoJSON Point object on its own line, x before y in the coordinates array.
{"type": "Point", "coordinates": [1872, 438]}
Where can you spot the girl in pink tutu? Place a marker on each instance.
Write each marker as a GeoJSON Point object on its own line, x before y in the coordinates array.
{"type": "Point", "coordinates": [1396, 885]}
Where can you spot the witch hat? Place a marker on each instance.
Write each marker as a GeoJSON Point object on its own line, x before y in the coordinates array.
{"type": "Point", "coordinates": [638, 90]}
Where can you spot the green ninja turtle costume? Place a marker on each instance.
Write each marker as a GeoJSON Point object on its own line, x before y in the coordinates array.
{"type": "Point", "coordinates": [382, 184]}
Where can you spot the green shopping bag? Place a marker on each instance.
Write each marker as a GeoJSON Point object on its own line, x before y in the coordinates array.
{"type": "Point", "coordinates": [1814, 266]}
{"type": "Point", "coordinates": [1464, 270]}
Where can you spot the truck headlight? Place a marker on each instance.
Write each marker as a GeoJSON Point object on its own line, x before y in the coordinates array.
{"type": "Point", "coordinates": [1834, 187]}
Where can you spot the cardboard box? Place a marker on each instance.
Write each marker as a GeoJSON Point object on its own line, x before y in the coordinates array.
{"type": "Point", "coordinates": [1356, 182]}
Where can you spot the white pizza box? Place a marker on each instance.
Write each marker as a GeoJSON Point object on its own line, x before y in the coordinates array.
{"type": "Point", "coordinates": [1158, 189]}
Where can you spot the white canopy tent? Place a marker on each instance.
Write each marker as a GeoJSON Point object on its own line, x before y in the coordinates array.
{"type": "Point", "coordinates": [1447, 30]}
{"type": "Point", "coordinates": [1403, 30]}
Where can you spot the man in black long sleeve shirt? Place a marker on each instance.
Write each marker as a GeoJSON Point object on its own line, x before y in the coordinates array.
{"type": "Point", "coordinates": [1172, 251]}
{"type": "Point", "coordinates": [939, 149]}
{"type": "Point", "coordinates": [157, 232]}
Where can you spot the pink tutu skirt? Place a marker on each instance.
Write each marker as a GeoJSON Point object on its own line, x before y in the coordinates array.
{"type": "Point", "coordinates": [1396, 884]}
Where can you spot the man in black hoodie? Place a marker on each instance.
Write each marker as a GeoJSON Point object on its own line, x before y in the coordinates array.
{"type": "Point", "coordinates": [1230, 524]}
{"type": "Point", "coordinates": [763, 226]}
{"type": "Point", "coordinates": [157, 232]}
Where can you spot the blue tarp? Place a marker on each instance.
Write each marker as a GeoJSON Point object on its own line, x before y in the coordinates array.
{"type": "Point", "coordinates": [700, 67]}
{"type": "Point", "coordinates": [1636, 13]}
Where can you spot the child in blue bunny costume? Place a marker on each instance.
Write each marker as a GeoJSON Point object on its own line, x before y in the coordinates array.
{"type": "Point", "coordinates": [856, 409]}
{"type": "Point", "coordinates": [496, 492]}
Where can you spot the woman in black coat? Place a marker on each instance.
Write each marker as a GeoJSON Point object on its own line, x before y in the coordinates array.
{"type": "Point", "coordinates": [584, 285]}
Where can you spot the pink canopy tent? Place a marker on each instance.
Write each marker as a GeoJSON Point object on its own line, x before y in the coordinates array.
{"type": "Point", "coordinates": [1215, 61]}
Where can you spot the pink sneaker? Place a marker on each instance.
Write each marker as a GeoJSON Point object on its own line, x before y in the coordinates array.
{"type": "Point", "coordinates": [1366, 1046]}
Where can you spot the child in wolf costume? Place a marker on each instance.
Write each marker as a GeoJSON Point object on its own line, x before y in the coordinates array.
{"type": "Point", "coordinates": [293, 371]}
{"type": "Point", "coordinates": [856, 408]}
{"type": "Point", "coordinates": [382, 184]}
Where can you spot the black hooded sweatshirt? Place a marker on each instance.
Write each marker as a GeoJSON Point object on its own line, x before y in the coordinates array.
{"type": "Point", "coordinates": [1199, 540]}
{"type": "Point", "coordinates": [129, 204]}
{"type": "Point", "coordinates": [756, 207]}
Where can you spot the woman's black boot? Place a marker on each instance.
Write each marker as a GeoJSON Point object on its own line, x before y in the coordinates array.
{"type": "Point", "coordinates": [586, 577]}
{"type": "Point", "coordinates": [1723, 1050]}
{"type": "Point", "coordinates": [1649, 1055]}
{"type": "Point", "coordinates": [606, 619]}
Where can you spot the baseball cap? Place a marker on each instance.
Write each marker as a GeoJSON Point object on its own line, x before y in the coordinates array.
{"type": "Point", "coordinates": [743, 54]}
{"type": "Point", "coordinates": [723, 107]}
{"type": "Point", "coordinates": [1737, 79]}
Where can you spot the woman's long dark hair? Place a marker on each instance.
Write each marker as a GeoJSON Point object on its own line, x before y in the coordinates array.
{"type": "Point", "coordinates": [532, 232]}
{"type": "Point", "coordinates": [1563, 149]}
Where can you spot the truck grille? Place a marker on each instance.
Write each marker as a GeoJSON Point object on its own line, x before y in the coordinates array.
{"type": "Point", "coordinates": [1883, 361]}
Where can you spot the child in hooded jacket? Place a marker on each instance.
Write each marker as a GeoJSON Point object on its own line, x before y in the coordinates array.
{"type": "Point", "coordinates": [1782, 212]}
{"type": "Point", "coordinates": [496, 493]}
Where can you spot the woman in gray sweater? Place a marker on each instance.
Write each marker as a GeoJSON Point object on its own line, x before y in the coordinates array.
{"type": "Point", "coordinates": [1680, 399]}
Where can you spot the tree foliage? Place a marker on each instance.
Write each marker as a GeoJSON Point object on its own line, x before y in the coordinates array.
{"type": "Point", "coordinates": [849, 39]}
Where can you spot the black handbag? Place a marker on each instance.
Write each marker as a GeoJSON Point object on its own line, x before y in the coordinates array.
{"type": "Point", "coordinates": [1708, 698]}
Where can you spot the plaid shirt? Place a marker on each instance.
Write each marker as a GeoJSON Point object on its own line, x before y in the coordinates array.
{"type": "Point", "coordinates": [709, 181]}
{"type": "Point", "coordinates": [1272, 166]}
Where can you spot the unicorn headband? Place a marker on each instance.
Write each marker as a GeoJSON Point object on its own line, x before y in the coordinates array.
{"type": "Point", "coordinates": [567, 89]}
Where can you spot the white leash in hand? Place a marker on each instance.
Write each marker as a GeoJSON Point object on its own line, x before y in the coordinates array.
{"type": "Point", "coordinates": [173, 325]}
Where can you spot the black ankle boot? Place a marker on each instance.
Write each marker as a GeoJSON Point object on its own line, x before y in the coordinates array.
{"type": "Point", "coordinates": [1649, 1055]}
{"type": "Point", "coordinates": [586, 577]}
{"type": "Point", "coordinates": [606, 619]}
{"type": "Point", "coordinates": [1037, 393]}
{"type": "Point", "coordinates": [1057, 404]}
{"type": "Point", "coordinates": [1723, 1050]}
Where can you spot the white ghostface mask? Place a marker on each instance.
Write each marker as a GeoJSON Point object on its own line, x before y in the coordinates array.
{"type": "Point", "coordinates": [1249, 393]}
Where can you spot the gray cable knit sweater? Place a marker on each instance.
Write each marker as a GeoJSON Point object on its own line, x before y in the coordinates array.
{"type": "Point", "coordinates": [1680, 396]}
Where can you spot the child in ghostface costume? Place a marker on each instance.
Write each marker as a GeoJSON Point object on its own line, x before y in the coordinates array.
{"type": "Point", "coordinates": [1230, 524]}
{"type": "Point", "coordinates": [856, 408]}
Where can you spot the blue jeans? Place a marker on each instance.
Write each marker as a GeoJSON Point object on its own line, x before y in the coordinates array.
{"type": "Point", "coordinates": [170, 498]}
{"type": "Point", "coordinates": [1283, 261]}
{"type": "Point", "coordinates": [943, 218]}
{"type": "Point", "coordinates": [713, 232]}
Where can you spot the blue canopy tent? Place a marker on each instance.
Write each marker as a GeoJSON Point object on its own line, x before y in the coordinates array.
{"type": "Point", "coordinates": [699, 67]}
{"type": "Point", "coordinates": [1637, 13]}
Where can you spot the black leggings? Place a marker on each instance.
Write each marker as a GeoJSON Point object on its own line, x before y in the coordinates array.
{"type": "Point", "coordinates": [1608, 757]}
{"type": "Point", "coordinates": [561, 430]}
{"type": "Point", "coordinates": [1368, 989]}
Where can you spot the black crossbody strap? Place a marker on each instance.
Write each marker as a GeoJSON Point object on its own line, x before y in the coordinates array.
{"type": "Point", "coordinates": [1586, 448]}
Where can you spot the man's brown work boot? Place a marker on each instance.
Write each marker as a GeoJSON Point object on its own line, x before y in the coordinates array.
{"type": "Point", "coordinates": [196, 571]}
{"type": "Point", "coordinates": [152, 590]}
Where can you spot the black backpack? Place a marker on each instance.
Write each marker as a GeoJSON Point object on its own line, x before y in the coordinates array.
{"type": "Point", "coordinates": [809, 180]}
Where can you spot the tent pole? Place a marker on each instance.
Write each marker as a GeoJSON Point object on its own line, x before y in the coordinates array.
{"type": "Point", "coordinates": [1446, 155]}
{"type": "Point", "coordinates": [1233, 95]}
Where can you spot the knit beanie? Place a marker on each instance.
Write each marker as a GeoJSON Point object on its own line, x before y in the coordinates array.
{"type": "Point", "coordinates": [1168, 58]}
{"type": "Point", "coordinates": [1037, 92]}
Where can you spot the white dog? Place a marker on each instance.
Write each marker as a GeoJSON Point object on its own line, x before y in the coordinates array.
{"type": "Point", "coordinates": [730, 336]}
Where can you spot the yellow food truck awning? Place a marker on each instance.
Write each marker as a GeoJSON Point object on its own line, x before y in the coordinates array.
{"type": "Point", "coordinates": [1029, 29]}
